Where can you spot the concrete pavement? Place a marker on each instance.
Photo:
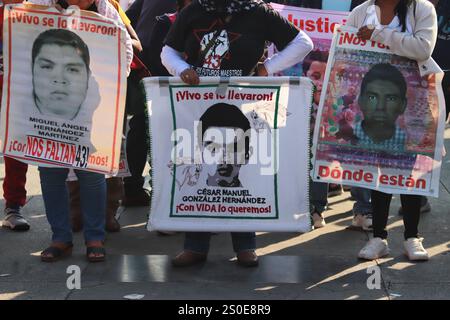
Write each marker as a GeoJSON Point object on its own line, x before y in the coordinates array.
{"type": "Point", "coordinates": [321, 264]}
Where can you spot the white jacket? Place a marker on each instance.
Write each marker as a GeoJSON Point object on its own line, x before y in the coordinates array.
{"type": "Point", "coordinates": [419, 46]}
{"type": "Point", "coordinates": [107, 10]}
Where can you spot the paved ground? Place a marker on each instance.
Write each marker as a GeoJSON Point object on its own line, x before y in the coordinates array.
{"type": "Point", "coordinates": [319, 265]}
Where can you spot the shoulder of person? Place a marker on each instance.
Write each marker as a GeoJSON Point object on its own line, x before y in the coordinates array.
{"type": "Point", "coordinates": [358, 14]}
{"type": "Point", "coordinates": [263, 10]}
{"type": "Point", "coordinates": [422, 8]}
{"type": "Point", "coordinates": [362, 8]}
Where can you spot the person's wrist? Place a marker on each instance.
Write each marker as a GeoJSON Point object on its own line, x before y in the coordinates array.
{"type": "Point", "coordinates": [262, 70]}
{"type": "Point", "coordinates": [183, 69]}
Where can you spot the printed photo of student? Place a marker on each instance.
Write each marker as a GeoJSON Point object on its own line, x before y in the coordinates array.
{"type": "Point", "coordinates": [60, 70]}
{"type": "Point", "coordinates": [382, 100]}
{"type": "Point", "coordinates": [230, 154]}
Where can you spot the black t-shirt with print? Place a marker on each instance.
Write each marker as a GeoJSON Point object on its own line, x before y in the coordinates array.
{"type": "Point", "coordinates": [219, 46]}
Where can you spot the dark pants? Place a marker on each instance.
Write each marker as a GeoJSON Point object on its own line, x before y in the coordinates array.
{"type": "Point", "coordinates": [199, 241]}
{"type": "Point", "coordinates": [411, 213]}
{"type": "Point", "coordinates": [446, 88]}
{"type": "Point", "coordinates": [137, 150]}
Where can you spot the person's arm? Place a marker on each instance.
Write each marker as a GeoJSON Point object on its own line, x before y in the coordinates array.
{"type": "Point", "coordinates": [352, 19]}
{"type": "Point", "coordinates": [152, 57]}
{"type": "Point", "coordinates": [292, 54]}
{"type": "Point", "coordinates": [418, 46]}
{"type": "Point", "coordinates": [172, 55]}
{"type": "Point", "coordinates": [293, 44]}
{"type": "Point", "coordinates": [173, 61]}
{"type": "Point", "coordinates": [126, 21]}
{"type": "Point", "coordinates": [134, 38]}
{"type": "Point", "coordinates": [105, 8]}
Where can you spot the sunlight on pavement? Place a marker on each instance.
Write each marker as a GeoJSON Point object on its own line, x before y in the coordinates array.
{"type": "Point", "coordinates": [11, 295]}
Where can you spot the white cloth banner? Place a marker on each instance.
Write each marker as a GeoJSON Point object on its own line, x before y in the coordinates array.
{"type": "Point", "coordinates": [230, 156]}
{"type": "Point", "coordinates": [380, 123]}
{"type": "Point", "coordinates": [64, 88]}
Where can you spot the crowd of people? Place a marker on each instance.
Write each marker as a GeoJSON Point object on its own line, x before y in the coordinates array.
{"type": "Point", "coordinates": [160, 33]}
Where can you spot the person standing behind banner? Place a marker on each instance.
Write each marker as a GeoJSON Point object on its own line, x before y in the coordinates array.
{"type": "Point", "coordinates": [314, 68]}
{"type": "Point", "coordinates": [409, 28]}
{"type": "Point", "coordinates": [92, 185]}
{"type": "Point", "coordinates": [142, 14]}
{"type": "Point", "coordinates": [114, 185]}
{"type": "Point", "coordinates": [229, 36]}
{"type": "Point", "coordinates": [14, 191]}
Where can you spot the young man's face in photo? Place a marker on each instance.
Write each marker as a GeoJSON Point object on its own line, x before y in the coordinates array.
{"type": "Point", "coordinates": [382, 103]}
{"type": "Point", "coordinates": [228, 152]}
{"type": "Point", "coordinates": [316, 73]}
{"type": "Point", "coordinates": [60, 80]}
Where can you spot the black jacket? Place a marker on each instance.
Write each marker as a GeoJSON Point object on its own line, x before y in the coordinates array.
{"type": "Point", "coordinates": [143, 13]}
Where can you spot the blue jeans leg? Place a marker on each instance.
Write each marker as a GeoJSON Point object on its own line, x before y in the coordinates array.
{"type": "Point", "coordinates": [56, 202]}
{"type": "Point", "coordinates": [93, 204]}
{"type": "Point", "coordinates": [197, 241]}
{"type": "Point", "coordinates": [318, 196]}
{"type": "Point", "coordinates": [243, 241]}
{"type": "Point", "coordinates": [362, 196]}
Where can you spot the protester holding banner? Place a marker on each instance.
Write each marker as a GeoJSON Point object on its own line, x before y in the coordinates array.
{"type": "Point", "coordinates": [53, 180]}
{"type": "Point", "coordinates": [14, 190]}
{"type": "Point", "coordinates": [227, 38]}
{"type": "Point", "coordinates": [314, 68]}
{"type": "Point", "coordinates": [409, 28]}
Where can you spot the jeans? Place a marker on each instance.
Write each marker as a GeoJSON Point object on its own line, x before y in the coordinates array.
{"type": "Point", "coordinates": [56, 201]}
{"type": "Point", "coordinates": [362, 205]}
{"type": "Point", "coordinates": [199, 241]}
{"type": "Point", "coordinates": [318, 196]}
{"type": "Point", "coordinates": [137, 150]}
{"type": "Point", "coordinates": [14, 184]}
{"type": "Point", "coordinates": [411, 206]}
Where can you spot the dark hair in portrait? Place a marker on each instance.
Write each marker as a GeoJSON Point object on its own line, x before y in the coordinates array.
{"type": "Point", "coordinates": [385, 72]}
{"type": "Point", "coordinates": [61, 38]}
{"type": "Point", "coordinates": [60, 67]}
{"type": "Point", "coordinates": [228, 116]}
{"type": "Point", "coordinates": [316, 55]}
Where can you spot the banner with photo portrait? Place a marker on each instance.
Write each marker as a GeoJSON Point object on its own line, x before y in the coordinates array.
{"type": "Point", "coordinates": [229, 156]}
{"type": "Point", "coordinates": [380, 122]}
{"type": "Point", "coordinates": [64, 88]}
{"type": "Point", "coordinates": [319, 25]}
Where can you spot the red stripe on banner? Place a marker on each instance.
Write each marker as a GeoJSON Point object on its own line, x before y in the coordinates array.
{"type": "Point", "coordinates": [117, 105]}
{"type": "Point", "coordinates": [60, 166]}
{"type": "Point", "coordinates": [8, 94]}
{"type": "Point", "coordinates": [60, 14]}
